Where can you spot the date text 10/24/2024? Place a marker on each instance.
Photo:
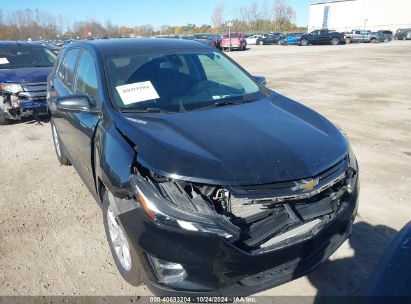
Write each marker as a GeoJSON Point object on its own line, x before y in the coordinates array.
{"type": "Point", "coordinates": [199, 299]}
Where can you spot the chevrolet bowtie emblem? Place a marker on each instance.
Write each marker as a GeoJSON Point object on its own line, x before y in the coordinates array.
{"type": "Point", "coordinates": [306, 184]}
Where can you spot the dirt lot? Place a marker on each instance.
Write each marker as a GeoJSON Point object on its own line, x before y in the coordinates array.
{"type": "Point", "coordinates": [52, 240]}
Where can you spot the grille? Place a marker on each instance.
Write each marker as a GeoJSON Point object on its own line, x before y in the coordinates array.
{"type": "Point", "coordinates": [271, 215]}
{"type": "Point", "coordinates": [34, 91]}
{"type": "Point", "coordinates": [284, 189]}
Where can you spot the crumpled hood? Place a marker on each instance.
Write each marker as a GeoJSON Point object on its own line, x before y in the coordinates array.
{"type": "Point", "coordinates": [270, 140]}
{"type": "Point", "coordinates": [25, 75]}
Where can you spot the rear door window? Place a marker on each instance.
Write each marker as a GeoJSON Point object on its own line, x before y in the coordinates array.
{"type": "Point", "coordinates": [66, 69]}
{"type": "Point", "coordinates": [86, 77]}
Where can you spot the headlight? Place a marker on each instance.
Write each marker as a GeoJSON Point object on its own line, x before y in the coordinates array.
{"type": "Point", "coordinates": [161, 210]}
{"type": "Point", "coordinates": [12, 88]}
{"type": "Point", "coordinates": [352, 170]}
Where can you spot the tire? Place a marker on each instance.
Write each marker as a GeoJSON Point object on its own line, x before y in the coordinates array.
{"type": "Point", "coordinates": [58, 147]}
{"type": "Point", "coordinates": [404, 38]}
{"type": "Point", "coordinates": [347, 40]}
{"type": "Point", "coordinates": [124, 255]}
{"type": "Point", "coordinates": [4, 120]}
{"type": "Point", "coordinates": [304, 42]}
{"type": "Point", "coordinates": [261, 42]}
{"type": "Point", "coordinates": [386, 40]}
{"type": "Point", "coordinates": [373, 40]}
{"type": "Point", "coordinates": [335, 41]}
{"type": "Point", "coordinates": [280, 42]}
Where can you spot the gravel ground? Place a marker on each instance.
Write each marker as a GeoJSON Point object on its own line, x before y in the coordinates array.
{"type": "Point", "coordinates": [52, 239]}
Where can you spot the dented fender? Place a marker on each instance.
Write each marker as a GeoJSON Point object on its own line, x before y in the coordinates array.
{"type": "Point", "coordinates": [113, 158]}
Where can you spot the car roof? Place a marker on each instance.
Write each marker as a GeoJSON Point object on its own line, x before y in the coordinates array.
{"type": "Point", "coordinates": [20, 43]}
{"type": "Point", "coordinates": [116, 45]}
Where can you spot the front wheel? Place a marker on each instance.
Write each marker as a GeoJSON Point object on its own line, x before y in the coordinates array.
{"type": "Point", "coordinates": [304, 42]}
{"type": "Point", "coordinates": [122, 251]}
{"type": "Point", "coordinates": [261, 42]}
{"type": "Point", "coordinates": [335, 41]}
{"type": "Point", "coordinates": [60, 153]}
{"type": "Point", "coordinates": [348, 41]}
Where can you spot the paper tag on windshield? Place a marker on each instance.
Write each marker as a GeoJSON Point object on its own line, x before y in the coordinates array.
{"type": "Point", "coordinates": [4, 61]}
{"type": "Point", "coordinates": [137, 92]}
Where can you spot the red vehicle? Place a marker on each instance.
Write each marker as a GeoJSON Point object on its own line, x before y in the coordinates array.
{"type": "Point", "coordinates": [237, 41]}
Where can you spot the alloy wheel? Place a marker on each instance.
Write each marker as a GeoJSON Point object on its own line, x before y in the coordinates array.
{"type": "Point", "coordinates": [56, 141]}
{"type": "Point", "coordinates": [119, 240]}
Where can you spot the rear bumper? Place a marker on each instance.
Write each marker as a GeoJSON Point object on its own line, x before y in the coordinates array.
{"type": "Point", "coordinates": [233, 46]}
{"type": "Point", "coordinates": [216, 267]}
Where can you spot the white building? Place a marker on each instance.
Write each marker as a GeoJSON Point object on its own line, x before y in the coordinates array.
{"type": "Point", "coordinates": [345, 15]}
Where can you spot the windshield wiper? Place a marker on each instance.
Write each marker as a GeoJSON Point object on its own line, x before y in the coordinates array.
{"type": "Point", "coordinates": [148, 110]}
{"type": "Point", "coordinates": [227, 103]}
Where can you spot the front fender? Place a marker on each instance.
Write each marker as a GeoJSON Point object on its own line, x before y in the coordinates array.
{"type": "Point", "coordinates": [114, 157]}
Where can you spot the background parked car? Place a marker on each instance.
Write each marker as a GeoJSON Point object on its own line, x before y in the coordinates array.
{"type": "Point", "coordinates": [403, 34]}
{"type": "Point", "coordinates": [235, 42]}
{"type": "Point", "coordinates": [390, 34]}
{"type": "Point", "coordinates": [272, 38]}
{"type": "Point", "coordinates": [321, 37]}
{"type": "Point", "coordinates": [254, 39]}
{"type": "Point", "coordinates": [380, 37]}
{"type": "Point", "coordinates": [24, 67]}
{"type": "Point", "coordinates": [291, 39]}
{"type": "Point", "coordinates": [206, 39]}
{"type": "Point", "coordinates": [359, 36]}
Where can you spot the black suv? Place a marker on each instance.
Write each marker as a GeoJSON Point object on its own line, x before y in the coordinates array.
{"type": "Point", "coordinates": [272, 38]}
{"type": "Point", "coordinates": [210, 183]}
{"type": "Point", "coordinates": [322, 37]}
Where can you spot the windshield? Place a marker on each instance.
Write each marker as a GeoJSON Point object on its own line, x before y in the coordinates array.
{"type": "Point", "coordinates": [18, 56]}
{"type": "Point", "coordinates": [177, 82]}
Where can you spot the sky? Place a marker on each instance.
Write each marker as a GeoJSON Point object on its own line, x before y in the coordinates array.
{"type": "Point", "coordinates": [140, 12]}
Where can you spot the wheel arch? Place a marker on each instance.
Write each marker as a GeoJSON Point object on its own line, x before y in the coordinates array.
{"type": "Point", "coordinates": [113, 157]}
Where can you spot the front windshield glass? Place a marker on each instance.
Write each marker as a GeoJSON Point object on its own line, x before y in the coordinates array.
{"type": "Point", "coordinates": [18, 56]}
{"type": "Point", "coordinates": [177, 82]}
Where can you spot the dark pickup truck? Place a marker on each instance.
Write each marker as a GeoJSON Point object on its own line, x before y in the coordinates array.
{"type": "Point", "coordinates": [322, 37]}
{"type": "Point", "coordinates": [23, 74]}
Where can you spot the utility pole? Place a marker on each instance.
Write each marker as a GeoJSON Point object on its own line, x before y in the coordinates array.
{"type": "Point", "coordinates": [229, 24]}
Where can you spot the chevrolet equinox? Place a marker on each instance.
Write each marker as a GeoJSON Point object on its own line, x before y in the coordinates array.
{"type": "Point", "coordinates": [209, 182]}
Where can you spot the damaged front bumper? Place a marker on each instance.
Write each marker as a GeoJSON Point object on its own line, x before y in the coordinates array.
{"type": "Point", "coordinates": [26, 101]}
{"type": "Point", "coordinates": [247, 262]}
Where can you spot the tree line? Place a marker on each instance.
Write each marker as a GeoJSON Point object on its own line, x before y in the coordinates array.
{"type": "Point", "coordinates": [258, 17]}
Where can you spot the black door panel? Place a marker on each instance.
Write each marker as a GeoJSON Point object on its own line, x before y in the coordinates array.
{"type": "Point", "coordinates": [76, 129]}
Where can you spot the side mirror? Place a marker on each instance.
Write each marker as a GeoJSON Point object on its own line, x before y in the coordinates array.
{"type": "Point", "coordinates": [261, 80]}
{"type": "Point", "coordinates": [74, 103]}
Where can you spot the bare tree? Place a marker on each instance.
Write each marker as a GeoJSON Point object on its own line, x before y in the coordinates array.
{"type": "Point", "coordinates": [284, 15]}
{"type": "Point", "coordinates": [265, 10]}
{"type": "Point", "coordinates": [217, 17]}
{"type": "Point", "coordinates": [253, 14]}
